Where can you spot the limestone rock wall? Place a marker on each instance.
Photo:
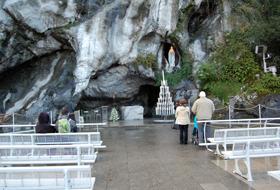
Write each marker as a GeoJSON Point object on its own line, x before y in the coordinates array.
{"type": "Point", "coordinates": [59, 52]}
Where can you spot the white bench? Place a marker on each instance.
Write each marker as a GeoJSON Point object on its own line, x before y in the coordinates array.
{"type": "Point", "coordinates": [46, 178]}
{"type": "Point", "coordinates": [226, 137]}
{"type": "Point", "coordinates": [252, 148]}
{"type": "Point", "coordinates": [52, 138]}
{"type": "Point", "coordinates": [238, 123]}
{"type": "Point", "coordinates": [18, 128]}
{"type": "Point", "coordinates": [30, 128]}
{"type": "Point", "coordinates": [47, 154]}
{"type": "Point", "coordinates": [275, 174]}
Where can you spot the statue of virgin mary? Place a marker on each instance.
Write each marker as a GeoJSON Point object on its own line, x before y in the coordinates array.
{"type": "Point", "coordinates": [171, 60]}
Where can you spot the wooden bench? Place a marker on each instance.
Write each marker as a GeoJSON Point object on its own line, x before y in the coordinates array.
{"type": "Point", "coordinates": [46, 178]}
{"type": "Point", "coordinates": [227, 137]}
{"type": "Point", "coordinates": [52, 138]}
{"type": "Point", "coordinates": [47, 154]}
{"type": "Point", "coordinates": [252, 148]}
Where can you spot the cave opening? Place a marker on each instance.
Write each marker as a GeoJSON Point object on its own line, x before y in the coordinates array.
{"type": "Point", "coordinates": [148, 97]}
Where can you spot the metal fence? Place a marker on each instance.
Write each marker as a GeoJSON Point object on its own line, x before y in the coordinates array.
{"type": "Point", "coordinates": [256, 111]}
{"type": "Point", "coordinates": [98, 115]}
{"type": "Point", "coordinates": [101, 114]}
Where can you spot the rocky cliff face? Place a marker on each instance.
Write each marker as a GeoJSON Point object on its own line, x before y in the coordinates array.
{"type": "Point", "coordinates": [59, 52]}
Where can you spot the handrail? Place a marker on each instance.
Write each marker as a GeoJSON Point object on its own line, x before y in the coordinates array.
{"type": "Point", "coordinates": [253, 107]}
{"type": "Point", "coordinates": [14, 126]}
{"type": "Point", "coordinates": [269, 107]}
{"type": "Point", "coordinates": [33, 125]}
{"type": "Point", "coordinates": [246, 129]}
{"type": "Point", "coordinates": [44, 168]}
{"type": "Point", "coordinates": [34, 146]}
{"type": "Point", "coordinates": [89, 124]}
{"type": "Point", "coordinates": [18, 125]}
{"type": "Point", "coordinates": [50, 134]}
{"type": "Point", "coordinates": [230, 120]}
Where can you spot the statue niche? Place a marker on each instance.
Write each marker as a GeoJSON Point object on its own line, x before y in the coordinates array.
{"type": "Point", "coordinates": [170, 58]}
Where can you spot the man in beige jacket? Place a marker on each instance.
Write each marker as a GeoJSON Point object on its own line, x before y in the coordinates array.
{"type": "Point", "coordinates": [203, 108]}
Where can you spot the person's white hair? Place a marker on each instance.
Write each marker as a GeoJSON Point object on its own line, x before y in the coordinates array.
{"type": "Point", "coordinates": [202, 94]}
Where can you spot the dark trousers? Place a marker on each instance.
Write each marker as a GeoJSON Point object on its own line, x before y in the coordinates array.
{"type": "Point", "coordinates": [183, 134]}
{"type": "Point", "coordinates": [194, 132]}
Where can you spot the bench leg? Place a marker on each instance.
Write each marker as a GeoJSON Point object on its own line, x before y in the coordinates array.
{"type": "Point", "coordinates": [66, 180]}
{"type": "Point", "coordinates": [249, 173]}
{"type": "Point", "coordinates": [217, 151]}
{"type": "Point", "coordinates": [237, 170]}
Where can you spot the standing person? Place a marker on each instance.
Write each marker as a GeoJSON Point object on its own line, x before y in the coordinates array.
{"type": "Point", "coordinates": [175, 125]}
{"type": "Point", "coordinates": [72, 121]}
{"type": "Point", "coordinates": [203, 108]}
{"type": "Point", "coordinates": [44, 124]}
{"type": "Point", "coordinates": [194, 132]}
{"type": "Point", "coordinates": [183, 120]}
{"type": "Point", "coordinates": [62, 123]}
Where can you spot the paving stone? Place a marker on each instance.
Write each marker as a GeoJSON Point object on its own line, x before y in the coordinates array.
{"type": "Point", "coordinates": [151, 158]}
{"type": "Point", "coordinates": [213, 186]}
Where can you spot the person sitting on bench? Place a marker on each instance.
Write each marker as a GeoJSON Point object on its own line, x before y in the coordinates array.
{"type": "Point", "coordinates": [44, 125]}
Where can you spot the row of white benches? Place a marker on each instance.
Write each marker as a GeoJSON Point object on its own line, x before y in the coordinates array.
{"type": "Point", "coordinates": [30, 128]}
{"type": "Point", "coordinates": [52, 138]}
{"type": "Point", "coordinates": [42, 149]}
{"type": "Point", "coordinates": [47, 154]}
{"type": "Point", "coordinates": [46, 178]}
{"type": "Point", "coordinates": [246, 143]}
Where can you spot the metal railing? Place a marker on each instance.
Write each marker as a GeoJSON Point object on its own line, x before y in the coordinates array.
{"type": "Point", "coordinates": [101, 115]}
{"type": "Point", "coordinates": [98, 115]}
{"type": "Point", "coordinates": [18, 123]}
{"type": "Point", "coordinates": [230, 123]}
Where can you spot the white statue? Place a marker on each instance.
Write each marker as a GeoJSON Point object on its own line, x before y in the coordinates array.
{"type": "Point", "coordinates": [171, 60]}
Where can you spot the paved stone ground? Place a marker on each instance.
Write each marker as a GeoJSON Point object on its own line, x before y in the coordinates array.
{"type": "Point", "coordinates": [151, 158]}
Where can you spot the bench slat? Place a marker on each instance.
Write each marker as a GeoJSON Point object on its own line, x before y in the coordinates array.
{"type": "Point", "coordinates": [43, 178]}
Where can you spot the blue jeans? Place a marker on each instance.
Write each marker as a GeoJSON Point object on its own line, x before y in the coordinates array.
{"type": "Point", "coordinates": [201, 132]}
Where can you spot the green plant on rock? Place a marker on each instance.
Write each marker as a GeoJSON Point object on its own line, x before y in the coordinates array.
{"type": "Point", "coordinates": [232, 61]}
{"type": "Point", "coordinates": [184, 15]}
{"type": "Point", "coordinates": [231, 66]}
{"type": "Point", "coordinates": [258, 21]}
{"type": "Point", "coordinates": [182, 73]}
{"type": "Point", "coordinates": [266, 84]}
{"type": "Point", "coordinates": [224, 89]}
{"type": "Point", "coordinates": [148, 60]}
{"type": "Point", "coordinates": [236, 62]}
{"type": "Point", "coordinates": [175, 78]}
{"type": "Point", "coordinates": [248, 9]}
{"type": "Point", "coordinates": [207, 74]}
{"type": "Point", "coordinates": [182, 23]}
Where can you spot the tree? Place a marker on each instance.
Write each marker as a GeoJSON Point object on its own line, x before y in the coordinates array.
{"type": "Point", "coordinates": [114, 115]}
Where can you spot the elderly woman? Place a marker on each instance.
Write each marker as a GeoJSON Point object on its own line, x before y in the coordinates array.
{"type": "Point", "coordinates": [44, 125]}
{"type": "Point", "coordinates": [183, 120]}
